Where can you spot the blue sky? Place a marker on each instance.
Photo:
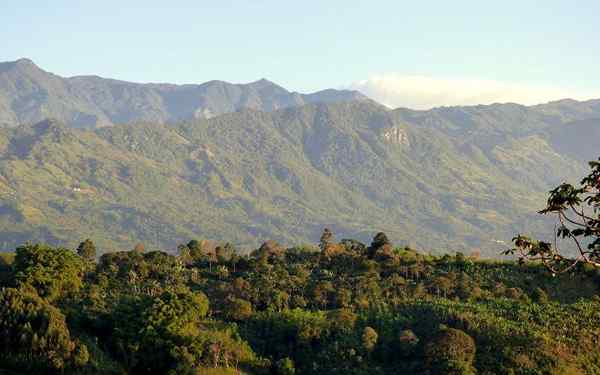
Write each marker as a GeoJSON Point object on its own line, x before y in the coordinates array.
{"type": "Point", "coordinates": [523, 50]}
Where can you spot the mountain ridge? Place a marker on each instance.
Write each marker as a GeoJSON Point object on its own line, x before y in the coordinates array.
{"type": "Point", "coordinates": [91, 101]}
{"type": "Point", "coordinates": [29, 94]}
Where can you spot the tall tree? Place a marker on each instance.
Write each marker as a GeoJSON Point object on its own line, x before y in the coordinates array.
{"type": "Point", "coordinates": [326, 239]}
{"type": "Point", "coordinates": [380, 244]}
{"type": "Point", "coordinates": [87, 250]}
{"type": "Point", "coordinates": [195, 249]}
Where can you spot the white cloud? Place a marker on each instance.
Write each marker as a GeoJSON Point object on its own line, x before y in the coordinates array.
{"type": "Point", "coordinates": [421, 92]}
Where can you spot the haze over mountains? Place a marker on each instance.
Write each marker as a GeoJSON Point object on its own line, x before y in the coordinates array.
{"type": "Point", "coordinates": [252, 162]}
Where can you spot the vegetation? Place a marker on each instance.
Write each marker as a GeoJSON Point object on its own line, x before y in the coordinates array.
{"type": "Point", "coordinates": [578, 212]}
{"type": "Point", "coordinates": [439, 179]}
{"type": "Point", "coordinates": [451, 179]}
{"type": "Point", "coordinates": [342, 307]}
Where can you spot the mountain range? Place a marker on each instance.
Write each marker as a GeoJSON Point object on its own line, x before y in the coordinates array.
{"type": "Point", "coordinates": [254, 162]}
{"type": "Point", "coordinates": [29, 94]}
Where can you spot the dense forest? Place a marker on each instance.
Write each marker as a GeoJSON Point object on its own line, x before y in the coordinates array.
{"type": "Point", "coordinates": [342, 307]}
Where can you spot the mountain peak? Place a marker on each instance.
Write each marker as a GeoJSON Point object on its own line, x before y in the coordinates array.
{"type": "Point", "coordinates": [22, 64]}
{"type": "Point", "coordinates": [24, 61]}
{"type": "Point", "coordinates": [265, 83]}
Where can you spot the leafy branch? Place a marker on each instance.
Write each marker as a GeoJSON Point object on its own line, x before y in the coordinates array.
{"type": "Point", "coordinates": [578, 213]}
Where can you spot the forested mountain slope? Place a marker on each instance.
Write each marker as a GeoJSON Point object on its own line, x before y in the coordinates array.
{"type": "Point", "coordinates": [460, 178]}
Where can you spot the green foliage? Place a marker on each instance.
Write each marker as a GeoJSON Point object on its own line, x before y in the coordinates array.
{"type": "Point", "coordinates": [296, 311]}
{"type": "Point", "coordinates": [578, 213]}
{"type": "Point", "coordinates": [196, 251]}
{"type": "Point", "coordinates": [53, 272]}
{"type": "Point", "coordinates": [148, 273]}
{"type": "Point", "coordinates": [87, 250]}
{"type": "Point", "coordinates": [540, 296]}
{"type": "Point", "coordinates": [369, 339]}
{"type": "Point", "coordinates": [35, 335]}
{"type": "Point", "coordinates": [238, 309]}
{"type": "Point", "coordinates": [171, 332]}
{"type": "Point", "coordinates": [451, 352]}
{"type": "Point", "coordinates": [464, 177]}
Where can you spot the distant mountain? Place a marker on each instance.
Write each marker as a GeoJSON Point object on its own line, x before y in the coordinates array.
{"type": "Point", "coordinates": [454, 178]}
{"type": "Point", "coordinates": [29, 94]}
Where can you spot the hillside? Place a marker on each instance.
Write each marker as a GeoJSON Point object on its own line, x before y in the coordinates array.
{"type": "Point", "coordinates": [461, 178]}
{"type": "Point", "coordinates": [29, 94]}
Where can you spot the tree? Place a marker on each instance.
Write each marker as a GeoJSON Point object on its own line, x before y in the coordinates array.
{"type": "Point", "coordinates": [87, 250]}
{"type": "Point", "coordinates": [280, 300]}
{"type": "Point", "coordinates": [353, 246]}
{"type": "Point", "coordinates": [578, 212]}
{"type": "Point", "coordinates": [452, 351]}
{"type": "Point", "coordinates": [321, 292]}
{"type": "Point", "coordinates": [81, 355]}
{"type": "Point", "coordinates": [269, 251]}
{"type": "Point", "coordinates": [196, 250]}
{"type": "Point", "coordinates": [185, 255]}
{"type": "Point", "coordinates": [442, 285]}
{"type": "Point", "coordinates": [326, 239]}
{"type": "Point", "coordinates": [343, 297]}
{"type": "Point", "coordinates": [381, 246]}
{"type": "Point", "coordinates": [53, 272]}
{"type": "Point", "coordinates": [380, 240]}
{"type": "Point", "coordinates": [238, 309]}
{"type": "Point", "coordinates": [225, 252]}
{"type": "Point", "coordinates": [369, 339]}
{"type": "Point", "coordinates": [343, 319]}
{"type": "Point", "coordinates": [35, 334]}
{"type": "Point", "coordinates": [152, 332]}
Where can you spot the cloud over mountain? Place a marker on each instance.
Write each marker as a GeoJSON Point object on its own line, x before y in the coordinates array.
{"type": "Point", "coordinates": [423, 92]}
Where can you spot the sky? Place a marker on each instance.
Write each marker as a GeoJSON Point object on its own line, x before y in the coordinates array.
{"type": "Point", "coordinates": [416, 54]}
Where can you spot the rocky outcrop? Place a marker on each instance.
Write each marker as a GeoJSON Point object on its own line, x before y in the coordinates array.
{"type": "Point", "coordinates": [396, 136]}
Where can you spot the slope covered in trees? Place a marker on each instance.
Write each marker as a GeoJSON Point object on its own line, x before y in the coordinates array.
{"type": "Point", "coordinates": [463, 178]}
